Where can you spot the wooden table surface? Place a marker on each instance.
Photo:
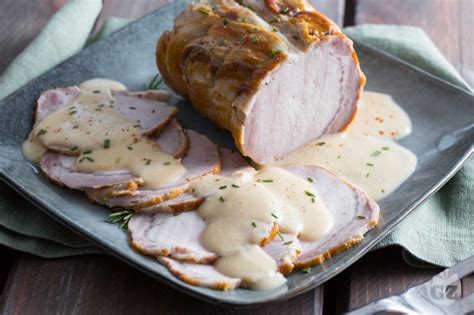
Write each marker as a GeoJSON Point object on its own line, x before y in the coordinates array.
{"type": "Point", "coordinates": [103, 285]}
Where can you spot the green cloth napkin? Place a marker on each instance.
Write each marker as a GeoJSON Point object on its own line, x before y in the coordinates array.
{"type": "Point", "coordinates": [440, 232]}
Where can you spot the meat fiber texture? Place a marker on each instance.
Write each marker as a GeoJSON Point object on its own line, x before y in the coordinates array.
{"type": "Point", "coordinates": [276, 74]}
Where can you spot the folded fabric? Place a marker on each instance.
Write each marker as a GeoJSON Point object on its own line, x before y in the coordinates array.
{"type": "Point", "coordinates": [439, 232]}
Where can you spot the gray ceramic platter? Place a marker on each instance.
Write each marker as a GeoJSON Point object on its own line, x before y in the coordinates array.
{"type": "Point", "coordinates": [442, 139]}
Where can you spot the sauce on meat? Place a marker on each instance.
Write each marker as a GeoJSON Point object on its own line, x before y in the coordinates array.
{"type": "Point", "coordinates": [366, 154]}
{"type": "Point", "coordinates": [103, 137]}
{"type": "Point", "coordinates": [250, 209]}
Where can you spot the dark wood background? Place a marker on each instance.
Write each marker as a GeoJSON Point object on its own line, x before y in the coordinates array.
{"type": "Point", "coordinates": [103, 285]}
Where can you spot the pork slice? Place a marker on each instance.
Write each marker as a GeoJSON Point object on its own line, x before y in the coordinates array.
{"type": "Point", "coordinates": [149, 108]}
{"type": "Point", "coordinates": [232, 161]}
{"type": "Point", "coordinates": [173, 140]}
{"type": "Point", "coordinates": [284, 250]}
{"type": "Point", "coordinates": [353, 212]}
{"type": "Point", "coordinates": [153, 115]}
{"type": "Point", "coordinates": [274, 91]}
{"type": "Point", "coordinates": [174, 236]}
{"type": "Point", "coordinates": [52, 100]}
{"type": "Point", "coordinates": [60, 169]}
{"type": "Point", "coordinates": [184, 202]}
{"type": "Point", "coordinates": [200, 275]}
{"type": "Point", "coordinates": [202, 158]}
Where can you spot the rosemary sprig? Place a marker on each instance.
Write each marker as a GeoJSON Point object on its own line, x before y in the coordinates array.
{"type": "Point", "coordinates": [122, 217]}
{"type": "Point", "coordinates": [154, 83]}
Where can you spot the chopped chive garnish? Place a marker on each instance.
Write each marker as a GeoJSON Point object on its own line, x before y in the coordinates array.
{"type": "Point", "coordinates": [361, 216]}
{"type": "Point", "coordinates": [235, 186]}
{"type": "Point", "coordinates": [96, 91]}
{"type": "Point", "coordinates": [87, 152]}
{"type": "Point", "coordinates": [306, 270]}
{"type": "Point", "coordinates": [74, 148]}
{"type": "Point", "coordinates": [223, 187]}
{"type": "Point", "coordinates": [321, 143]}
{"type": "Point", "coordinates": [130, 148]}
{"type": "Point", "coordinates": [338, 156]}
{"type": "Point", "coordinates": [194, 189]}
{"type": "Point", "coordinates": [281, 236]}
{"type": "Point", "coordinates": [310, 179]}
{"type": "Point", "coordinates": [176, 214]}
{"type": "Point", "coordinates": [313, 200]}
{"type": "Point", "coordinates": [244, 20]}
{"type": "Point", "coordinates": [101, 105]}
{"type": "Point", "coordinates": [106, 143]}
{"type": "Point", "coordinates": [275, 52]}
{"type": "Point", "coordinates": [308, 193]}
{"type": "Point", "coordinates": [288, 243]}
{"type": "Point", "coordinates": [268, 180]}
{"type": "Point", "coordinates": [274, 29]}
{"type": "Point", "coordinates": [382, 190]}
{"type": "Point", "coordinates": [285, 10]}
{"type": "Point", "coordinates": [72, 112]}
{"type": "Point", "coordinates": [167, 163]}
{"type": "Point", "coordinates": [132, 108]}
{"type": "Point", "coordinates": [136, 126]}
{"type": "Point", "coordinates": [375, 153]}
{"type": "Point", "coordinates": [258, 180]}
{"type": "Point", "coordinates": [367, 175]}
{"type": "Point", "coordinates": [254, 39]}
{"type": "Point", "coordinates": [75, 126]}
{"type": "Point", "coordinates": [221, 199]}
{"type": "Point", "coordinates": [254, 224]}
{"type": "Point", "coordinates": [369, 164]}
{"type": "Point", "coordinates": [88, 158]}
{"type": "Point", "coordinates": [385, 148]}
{"type": "Point", "coordinates": [273, 215]}
{"type": "Point", "coordinates": [226, 21]}
{"type": "Point", "coordinates": [148, 162]}
{"type": "Point", "coordinates": [42, 132]}
{"type": "Point", "coordinates": [220, 42]}
{"type": "Point", "coordinates": [80, 161]}
{"type": "Point", "coordinates": [272, 21]}
{"type": "Point", "coordinates": [98, 110]}
{"type": "Point", "coordinates": [204, 11]}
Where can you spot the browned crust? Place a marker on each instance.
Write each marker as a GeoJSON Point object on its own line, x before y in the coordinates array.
{"type": "Point", "coordinates": [184, 143]}
{"type": "Point", "coordinates": [181, 206]}
{"type": "Point", "coordinates": [338, 248]}
{"type": "Point", "coordinates": [218, 59]}
{"type": "Point", "coordinates": [217, 285]}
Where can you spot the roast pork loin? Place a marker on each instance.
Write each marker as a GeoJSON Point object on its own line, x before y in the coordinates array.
{"type": "Point", "coordinates": [276, 74]}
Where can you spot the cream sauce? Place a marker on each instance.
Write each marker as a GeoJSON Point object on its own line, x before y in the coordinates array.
{"type": "Point", "coordinates": [104, 138]}
{"type": "Point", "coordinates": [242, 211]}
{"type": "Point", "coordinates": [365, 155]}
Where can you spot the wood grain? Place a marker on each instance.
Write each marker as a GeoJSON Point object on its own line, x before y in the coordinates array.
{"type": "Point", "coordinates": [449, 24]}
{"type": "Point", "coordinates": [104, 285]}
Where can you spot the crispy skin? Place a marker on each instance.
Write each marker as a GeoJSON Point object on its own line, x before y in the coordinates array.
{"type": "Point", "coordinates": [218, 54]}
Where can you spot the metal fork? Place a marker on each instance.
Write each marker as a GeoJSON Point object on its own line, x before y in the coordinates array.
{"type": "Point", "coordinates": [436, 296]}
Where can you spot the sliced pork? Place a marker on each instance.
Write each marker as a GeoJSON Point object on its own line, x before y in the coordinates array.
{"type": "Point", "coordinates": [202, 158]}
{"type": "Point", "coordinates": [353, 214]}
{"type": "Point", "coordinates": [60, 170]}
{"type": "Point", "coordinates": [148, 108]}
{"type": "Point", "coordinates": [169, 235]}
{"type": "Point", "coordinates": [201, 275]}
{"type": "Point", "coordinates": [276, 74]}
{"type": "Point", "coordinates": [284, 250]}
